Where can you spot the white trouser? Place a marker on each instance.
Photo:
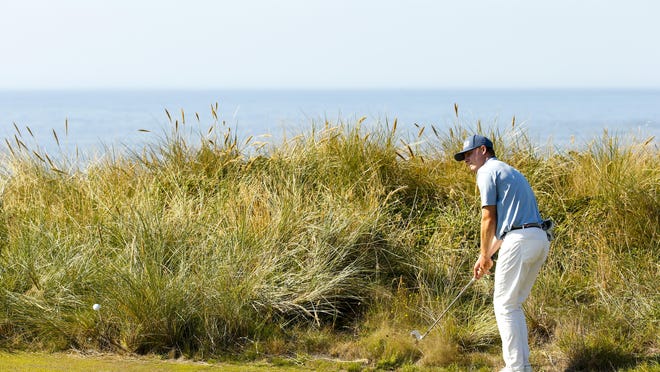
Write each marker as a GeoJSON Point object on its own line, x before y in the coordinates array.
{"type": "Point", "coordinates": [520, 258]}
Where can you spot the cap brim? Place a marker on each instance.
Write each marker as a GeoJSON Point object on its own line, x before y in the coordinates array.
{"type": "Point", "coordinates": [461, 155]}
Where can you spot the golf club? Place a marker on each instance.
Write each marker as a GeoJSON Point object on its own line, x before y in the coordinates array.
{"type": "Point", "coordinates": [418, 336]}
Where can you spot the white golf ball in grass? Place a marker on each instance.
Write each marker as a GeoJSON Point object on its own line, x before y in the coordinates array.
{"type": "Point", "coordinates": [96, 307]}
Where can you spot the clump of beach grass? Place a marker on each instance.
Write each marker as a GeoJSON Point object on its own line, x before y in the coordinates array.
{"type": "Point", "coordinates": [204, 244]}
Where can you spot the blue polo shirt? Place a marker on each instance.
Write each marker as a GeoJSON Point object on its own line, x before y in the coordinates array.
{"type": "Point", "coordinates": [505, 187]}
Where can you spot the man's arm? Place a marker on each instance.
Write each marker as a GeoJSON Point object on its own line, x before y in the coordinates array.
{"type": "Point", "coordinates": [489, 244]}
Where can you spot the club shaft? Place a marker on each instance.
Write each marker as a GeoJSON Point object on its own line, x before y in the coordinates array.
{"type": "Point", "coordinates": [447, 308]}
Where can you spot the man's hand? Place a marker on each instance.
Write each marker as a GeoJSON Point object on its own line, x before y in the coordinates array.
{"type": "Point", "coordinates": [482, 267]}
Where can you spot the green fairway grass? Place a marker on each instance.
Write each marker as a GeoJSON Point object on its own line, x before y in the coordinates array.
{"type": "Point", "coordinates": [23, 361]}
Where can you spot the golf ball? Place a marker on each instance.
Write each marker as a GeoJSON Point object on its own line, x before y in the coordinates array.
{"type": "Point", "coordinates": [96, 307]}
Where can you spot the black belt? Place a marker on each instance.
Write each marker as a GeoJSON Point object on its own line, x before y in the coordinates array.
{"type": "Point", "coordinates": [525, 226]}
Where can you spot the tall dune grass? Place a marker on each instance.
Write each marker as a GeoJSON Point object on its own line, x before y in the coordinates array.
{"type": "Point", "coordinates": [211, 244]}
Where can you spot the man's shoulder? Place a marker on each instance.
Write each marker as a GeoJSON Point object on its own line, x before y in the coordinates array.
{"type": "Point", "coordinates": [493, 164]}
{"type": "Point", "coordinates": [495, 170]}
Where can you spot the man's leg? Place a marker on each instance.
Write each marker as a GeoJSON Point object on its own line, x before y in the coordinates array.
{"type": "Point", "coordinates": [519, 263]}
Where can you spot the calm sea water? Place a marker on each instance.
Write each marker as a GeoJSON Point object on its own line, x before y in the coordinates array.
{"type": "Point", "coordinates": [101, 119]}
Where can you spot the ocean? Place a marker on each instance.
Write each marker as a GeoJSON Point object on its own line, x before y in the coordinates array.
{"type": "Point", "coordinates": [95, 121]}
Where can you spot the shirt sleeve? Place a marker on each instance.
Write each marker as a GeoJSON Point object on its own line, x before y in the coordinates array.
{"type": "Point", "coordinates": [487, 188]}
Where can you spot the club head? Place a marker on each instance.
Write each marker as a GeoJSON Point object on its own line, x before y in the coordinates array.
{"type": "Point", "coordinates": [418, 336]}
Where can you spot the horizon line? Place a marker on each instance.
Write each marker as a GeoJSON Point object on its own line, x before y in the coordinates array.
{"type": "Point", "coordinates": [326, 89]}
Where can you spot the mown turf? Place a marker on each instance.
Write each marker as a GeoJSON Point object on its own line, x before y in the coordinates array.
{"type": "Point", "coordinates": [24, 361]}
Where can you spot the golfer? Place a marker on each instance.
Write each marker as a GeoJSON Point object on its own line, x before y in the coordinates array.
{"type": "Point", "coordinates": [510, 223]}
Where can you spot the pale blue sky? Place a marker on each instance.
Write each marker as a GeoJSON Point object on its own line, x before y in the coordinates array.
{"type": "Point", "coordinates": [222, 44]}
